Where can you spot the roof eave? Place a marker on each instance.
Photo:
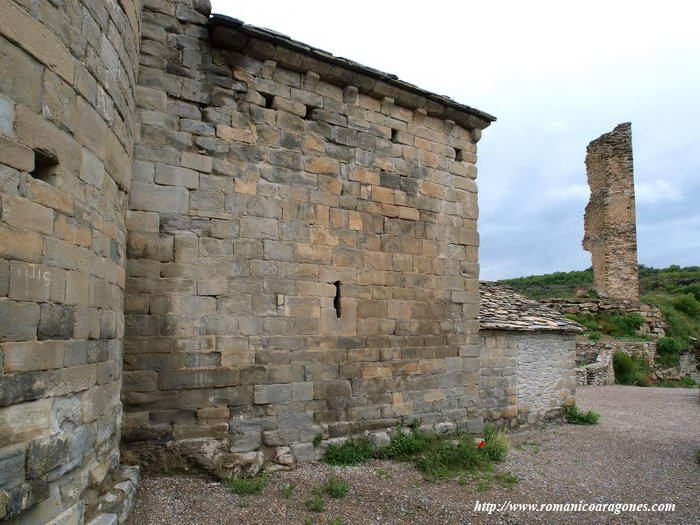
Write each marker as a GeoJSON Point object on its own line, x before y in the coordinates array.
{"type": "Point", "coordinates": [224, 29]}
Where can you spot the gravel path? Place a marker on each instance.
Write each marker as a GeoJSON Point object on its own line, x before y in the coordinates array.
{"type": "Point", "coordinates": [643, 451]}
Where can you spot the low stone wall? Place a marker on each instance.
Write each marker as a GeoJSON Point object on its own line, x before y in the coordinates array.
{"type": "Point", "coordinates": [596, 364]}
{"type": "Point", "coordinates": [688, 366]}
{"type": "Point", "coordinates": [595, 359]}
{"type": "Point", "coordinates": [654, 323]}
{"type": "Point", "coordinates": [526, 376]}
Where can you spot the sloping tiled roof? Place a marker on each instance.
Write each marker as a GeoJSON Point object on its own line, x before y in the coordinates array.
{"type": "Point", "coordinates": [366, 78]}
{"type": "Point", "coordinates": [502, 308]}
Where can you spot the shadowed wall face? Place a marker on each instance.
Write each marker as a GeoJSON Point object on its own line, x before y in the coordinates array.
{"type": "Point", "coordinates": [302, 255]}
{"type": "Point", "coordinates": [610, 221]}
{"type": "Point", "coordinates": [66, 135]}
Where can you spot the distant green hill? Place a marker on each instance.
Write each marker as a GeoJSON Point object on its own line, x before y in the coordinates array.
{"type": "Point", "coordinates": [675, 290]}
{"type": "Point", "coordinates": [672, 280]}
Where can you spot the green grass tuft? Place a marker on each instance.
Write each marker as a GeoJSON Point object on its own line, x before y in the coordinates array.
{"type": "Point", "coordinates": [574, 416]}
{"type": "Point", "coordinates": [505, 480]}
{"type": "Point", "coordinates": [336, 488]}
{"type": "Point", "coordinates": [243, 486]}
{"type": "Point", "coordinates": [350, 452]}
{"type": "Point", "coordinates": [613, 324]}
{"type": "Point", "coordinates": [316, 503]}
{"type": "Point", "coordinates": [288, 490]}
{"type": "Point", "coordinates": [496, 446]}
{"type": "Point", "coordinates": [446, 459]}
{"type": "Point", "coordinates": [405, 445]}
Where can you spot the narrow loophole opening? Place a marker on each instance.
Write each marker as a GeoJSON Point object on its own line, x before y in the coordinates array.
{"type": "Point", "coordinates": [309, 113]}
{"type": "Point", "coordinates": [395, 136]}
{"type": "Point", "coordinates": [45, 165]}
{"type": "Point", "coordinates": [268, 99]}
{"type": "Point", "coordinates": [336, 299]}
{"type": "Point", "coordinates": [459, 155]}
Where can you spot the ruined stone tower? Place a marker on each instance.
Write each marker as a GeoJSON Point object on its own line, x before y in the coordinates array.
{"type": "Point", "coordinates": [610, 222]}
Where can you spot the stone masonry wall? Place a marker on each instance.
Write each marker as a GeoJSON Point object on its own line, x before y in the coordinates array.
{"type": "Point", "coordinates": [654, 322]}
{"type": "Point", "coordinates": [610, 221]}
{"type": "Point", "coordinates": [526, 376]}
{"type": "Point", "coordinates": [546, 378]}
{"type": "Point", "coordinates": [498, 383]}
{"type": "Point", "coordinates": [302, 255]}
{"type": "Point", "coordinates": [66, 136]}
{"type": "Point", "coordinates": [595, 363]}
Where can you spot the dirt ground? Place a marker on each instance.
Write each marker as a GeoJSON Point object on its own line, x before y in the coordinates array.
{"type": "Point", "coordinates": [642, 452]}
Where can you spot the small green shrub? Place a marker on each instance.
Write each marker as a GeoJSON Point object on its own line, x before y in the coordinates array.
{"type": "Point", "coordinates": [575, 417]}
{"type": "Point", "coordinates": [338, 521]}
{"type": "Point", "coordinates": [693, 289]}
{"type": "Point", "coordinates": [351, 452]}
{"type": "Point", "coordinates": [668, 350]}
{"type": "Point", "coordinates": [614, 324]}
{"type": "Point", "coordinates": [630, 370]}
{"type": "Point", "coordinates": [242, 486]}
{"type": "Point", "coordinates": [404, 446]}
{"type": "Point", "coordinates": [667, 360]}
{"type": "Point", "coordinates": [594, 336]}
{"type": "Point", "coordinates": [588, 321]}
{"type": "Point", "coordinates": [336, 488]}
{"type": "Point", "coordinates": [621, 325]}
{"type": "Point", "coordinates": [688, 304]}
{"type": "Point", "coordinates": [496, 443]}
{"type": "Point", "coordinates": [449, 458]}
{"type": "Point", "coordinates": [316, 503]}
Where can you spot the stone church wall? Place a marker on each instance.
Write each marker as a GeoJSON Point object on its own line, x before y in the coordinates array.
{"type": "Point", "coordinates": [302, 253]}
{"type": "Point", "coordinates": [66, 136]}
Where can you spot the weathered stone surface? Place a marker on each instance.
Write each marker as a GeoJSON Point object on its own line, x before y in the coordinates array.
{"type": "Point", "coordinates": [56, 322]}
{"type": "Point", "coordinates": [19, 320]}
{"type": "Point", "coordinates": [67, 127]}
{"type": "Point", "coordinates": [610, 220]}
{"type": "Point", "coordinates": [46, 454]}
{"type": "Point", "coordinates": [150, 197]}
{"type": "Point", "coordinates": [24, 422]}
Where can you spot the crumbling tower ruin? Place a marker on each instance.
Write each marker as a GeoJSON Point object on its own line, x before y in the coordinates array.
{"type": "Point", "coordinates": [610, 222]}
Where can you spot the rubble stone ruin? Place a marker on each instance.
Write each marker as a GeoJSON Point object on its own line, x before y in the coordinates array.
{"type": "Point", "coordinates": [610, 222]}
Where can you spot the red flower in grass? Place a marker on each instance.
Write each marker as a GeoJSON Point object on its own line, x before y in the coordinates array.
{"type": "Point", "coordinates": [480, 443]}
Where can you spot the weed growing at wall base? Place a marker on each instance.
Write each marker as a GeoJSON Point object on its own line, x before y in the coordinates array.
{"type": "Point", "coordinates": [350, 452]}
{"type": "Point", "coordinates": [437, 457]}
{"type": "Point", "coordinates": [246, 485]}
{"type": "Point", "coordinates": [574, 416]}
{"type": "Point", "coordinates": [496, 446]}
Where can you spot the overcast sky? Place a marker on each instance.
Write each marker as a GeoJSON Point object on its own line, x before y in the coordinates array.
{"type": "Point", "coordinates": [557, 75]}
